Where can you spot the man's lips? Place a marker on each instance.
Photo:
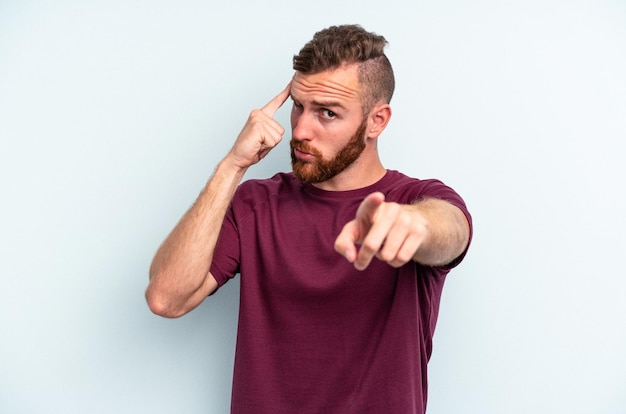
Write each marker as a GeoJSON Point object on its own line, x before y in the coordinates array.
{"type": "Point", "coordinates": [302, 155]}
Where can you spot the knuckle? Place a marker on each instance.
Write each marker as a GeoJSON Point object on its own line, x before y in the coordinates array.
{"type": "Point", "coordinates": [253, 116]}
{"type": "Point", "coordinates": [386, 256]}
{"type": "Point", "coordinates": [404, 220]}
{"type": "Point", "coordinates": [396, 263]}
{"type": "Point", "coordinates": [256, 116]}
{"type": "Point", "coordinates": [393, 208]}
{"type": "Point", "coordinates": [403, 257]}
{"type": "Point", "coordinates": [369, 247]}
{"type": "Point", "coordinates": [419, 229]}
{"type": "Point", "coordinates": [339, 245]}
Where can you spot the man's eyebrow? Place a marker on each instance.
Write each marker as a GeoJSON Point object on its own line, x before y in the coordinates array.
{"type": "Point", "coordinates": [323, 104]}
{"type": "Point", "coordinates": [328, 104]}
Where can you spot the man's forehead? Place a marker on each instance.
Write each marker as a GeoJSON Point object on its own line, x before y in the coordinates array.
{"type": "Point", "coordinates": [340, 84]}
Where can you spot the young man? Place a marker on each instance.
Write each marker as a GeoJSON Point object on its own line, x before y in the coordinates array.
{"type": "Point", "coordinates": [342, 261]}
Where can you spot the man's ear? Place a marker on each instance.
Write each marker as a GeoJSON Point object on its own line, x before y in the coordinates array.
{"type": "Point", "coordinates": [378, 119]}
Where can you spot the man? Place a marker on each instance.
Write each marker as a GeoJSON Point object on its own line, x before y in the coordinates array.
{"type": "Point", "coordinates": [342, 262]}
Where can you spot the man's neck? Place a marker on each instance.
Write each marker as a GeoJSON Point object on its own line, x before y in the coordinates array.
{"type": "Point", "coordinates": [362, 173]}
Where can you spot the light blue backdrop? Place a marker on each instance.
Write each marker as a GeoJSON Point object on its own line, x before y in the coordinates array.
{"type": "Point", "coordinates": [114, 113]}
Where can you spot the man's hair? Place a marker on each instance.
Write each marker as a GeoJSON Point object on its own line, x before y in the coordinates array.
{"type": "Point", "coordinates": [337, 46]}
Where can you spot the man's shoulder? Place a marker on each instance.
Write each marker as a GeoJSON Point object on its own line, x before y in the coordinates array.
{"type": "Point", "coordinates": [411, 188]}
{"type": "Point", "coordinates": [277, 182]}
{"type": "Point", "coordinates": [256, 189]}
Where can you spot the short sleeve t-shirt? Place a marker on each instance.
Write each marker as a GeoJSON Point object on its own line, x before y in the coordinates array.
{"type": "Point", "coordinates": [316, 335]}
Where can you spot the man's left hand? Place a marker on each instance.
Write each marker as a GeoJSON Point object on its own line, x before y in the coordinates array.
{"type": "Point", "coordinates": [390, 231]}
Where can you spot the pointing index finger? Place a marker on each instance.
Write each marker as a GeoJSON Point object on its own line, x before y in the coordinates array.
{"type": "Point", "coordinates": [272, 106]}
{"type": "Point", "coordinates": [368, 207]}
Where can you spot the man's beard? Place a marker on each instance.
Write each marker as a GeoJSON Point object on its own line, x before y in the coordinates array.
{"type": "Point", "coordinates": [320, 170]}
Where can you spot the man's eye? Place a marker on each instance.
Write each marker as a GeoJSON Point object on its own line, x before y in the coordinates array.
{"type": "Point", "coordinates": [328, 113]}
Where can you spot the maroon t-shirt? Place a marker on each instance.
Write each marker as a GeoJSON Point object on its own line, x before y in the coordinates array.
{"type": "Point", "coordinates": [315, 335]}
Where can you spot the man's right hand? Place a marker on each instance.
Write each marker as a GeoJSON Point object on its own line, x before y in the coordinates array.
{"type": "Point", "coordinates": [180, 276]}
{"type": "Point", "coordinates": [260, 134]}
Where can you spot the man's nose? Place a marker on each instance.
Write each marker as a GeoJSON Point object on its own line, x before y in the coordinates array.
{"type": "Point", "coordinates": [301, 127]}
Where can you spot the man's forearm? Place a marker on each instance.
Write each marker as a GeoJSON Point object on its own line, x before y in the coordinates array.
{"type": "Point", "coordinates": [179, 274]}
{"type": "Point", "coordinates": [448, 232]}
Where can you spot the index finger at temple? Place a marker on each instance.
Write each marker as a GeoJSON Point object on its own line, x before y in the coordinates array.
{"type": "Point", "coordinates": [272, 106]}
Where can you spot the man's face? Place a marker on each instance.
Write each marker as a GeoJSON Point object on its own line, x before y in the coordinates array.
{"type": "Point", "coordinates": [327, 122]}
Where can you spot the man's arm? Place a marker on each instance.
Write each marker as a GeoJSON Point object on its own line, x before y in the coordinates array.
{"type": "Point", "coordinates": [179, 275]}
{"type": "Point", "coordinates": [432, 232]}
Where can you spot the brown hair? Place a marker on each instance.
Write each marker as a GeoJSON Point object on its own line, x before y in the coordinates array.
{"type": "Point", "coordinates": [336, 46]}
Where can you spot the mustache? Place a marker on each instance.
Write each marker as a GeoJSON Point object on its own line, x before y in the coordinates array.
{"type": "Point", "coordinates": [304, 147]}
